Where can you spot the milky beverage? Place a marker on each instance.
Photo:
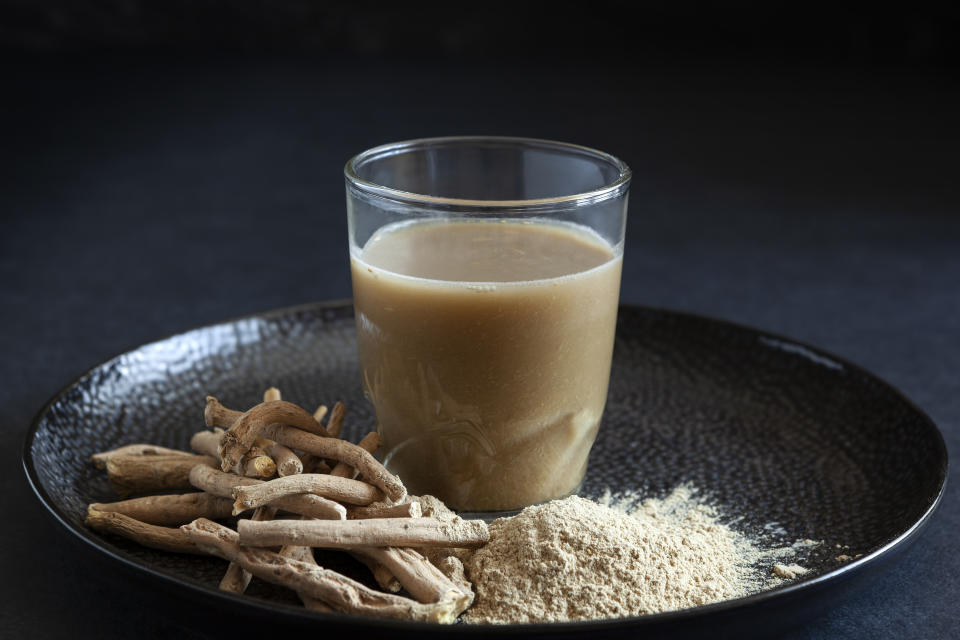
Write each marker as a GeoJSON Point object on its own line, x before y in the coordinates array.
{"type": "Point", "coordinates": [485, 348]}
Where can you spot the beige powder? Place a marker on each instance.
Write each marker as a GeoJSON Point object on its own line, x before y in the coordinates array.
{"type": "Point", "coordinates": [575, 559]}
{"type": "Point", "coordinates": [788, 571]}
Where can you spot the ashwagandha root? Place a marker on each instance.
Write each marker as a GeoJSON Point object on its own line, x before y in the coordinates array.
{"type": "Point", "coordinates": [313, 464]}
{"type": "Point", "coordinates": [320, 413]}
{"type": "Point", "coordinates": [257, 462]}
{"type": "Point", "coordinates": [288, 464]}
{"type": "Point", "coordinates": [100, 459]}
{"type": "Point", "coordinates": [170, 510]}
{"type": "Point", "coordinates": [377, 532]}
{"type": "Point", "coordinates": [453, 568]}
{"type": "Point", "coordinates": [236, 579]}
{"type": "Point", "coordinates": [339, 489]}
{"type": "Point", "coordinates": [285, 460]}
{"type": "Point", "coordinates": [407, 510]}
{"type": "Point", "coordinates": [315, 604]}
{"type": "Point", "coordinates": [418, 576]}
{"type": "Point", "coordinates": [341, 450]}
{"type": "Point", "coordinates": [370, 443]}
{"type": "Point", "coordinates": [305, 554]}
{"type": "Point", "coordinates": [308, 579]}
{"type": "Point", "coordinates": [152, 473]}
{"type": "Point", "coordinates": [320, 445]}
{"type": "Point", "coordinates": [147, 535]}
{"type": "Point", "coordinates": [244, 429]}
{"type": "Point", "coordinates": [221, 484]}
{"type": "Point", "coordinates": [207, 443]}
{"type": "Point", "coordinates": [381, 575]}
{"type": "Point", "coordinates": [335, 423]}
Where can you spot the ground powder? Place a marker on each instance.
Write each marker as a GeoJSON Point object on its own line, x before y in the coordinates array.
{"type": "Point", "coordinates": [575, 559]}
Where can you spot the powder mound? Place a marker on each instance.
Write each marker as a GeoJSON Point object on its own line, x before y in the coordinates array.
{"type": "Point", "coordinates": [574, 559]}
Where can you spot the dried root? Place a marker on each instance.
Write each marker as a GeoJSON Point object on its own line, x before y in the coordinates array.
{"type": "Point", "coordinates": [147, 535]}
{"type": "Point", "coordinates": [152, 473]}
{"type": "Point", "coordinates": [170, 510]}
{"type": "Point", "coordinates": [379, 532]}
{"type": "Point", "coordinates": [316, 582]}
{"type": "Point", "coordinates": [279, 438]}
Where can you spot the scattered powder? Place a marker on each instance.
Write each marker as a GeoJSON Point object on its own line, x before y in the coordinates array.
{"type": "Point", "coordinates": [574, 559]}
{"type": "Point", "coordinates": [845, 557]}
{"type": "Point", "coordinates": [788, 571]}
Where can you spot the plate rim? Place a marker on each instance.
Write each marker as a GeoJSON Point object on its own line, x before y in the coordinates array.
{"type": "Point", "coordinates": [303, 615]}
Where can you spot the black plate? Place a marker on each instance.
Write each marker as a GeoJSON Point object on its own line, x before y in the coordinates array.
{"type": "Point", "coordinates": [775, 431]}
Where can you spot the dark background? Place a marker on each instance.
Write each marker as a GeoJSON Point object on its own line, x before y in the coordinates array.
{"type": "Point", "coordinates": [169, 164]}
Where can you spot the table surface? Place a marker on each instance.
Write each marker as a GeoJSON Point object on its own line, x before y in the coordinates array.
{"type": "Point", "coordinates": [145, 197]}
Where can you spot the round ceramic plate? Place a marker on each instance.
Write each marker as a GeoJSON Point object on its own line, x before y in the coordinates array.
{"type": "Point", "coordinates": [783, 437]}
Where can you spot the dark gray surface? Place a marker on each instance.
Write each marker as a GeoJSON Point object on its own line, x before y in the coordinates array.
{"type": "Point", "coordinates": [144, 198]}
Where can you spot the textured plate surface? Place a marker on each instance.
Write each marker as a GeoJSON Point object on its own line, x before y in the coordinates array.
{"type": "Point", "coordinates": [784, 437]}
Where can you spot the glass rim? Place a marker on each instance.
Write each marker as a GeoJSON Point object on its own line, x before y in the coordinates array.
{"type": "Point", "coordinates": [605, 192]}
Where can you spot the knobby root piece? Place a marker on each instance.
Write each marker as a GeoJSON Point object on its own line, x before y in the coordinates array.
{"type": "Point", "coordinates": [256, 462]}
{"type": "Point", "coordinates": [418, 576]}
{"type": "Point", "coordinates": [236, 579]}
{"type": "Point", "coordinates": [308, 579]}
{"type": "Point", "coordinates": [320, 413]}
{"type": "Point", "coordinates": [100, 459]}
{"type": "Point", "coordinates": [288, 464]}
{"type": "Point", "coordinates": [408, 510]}
{"type": "Point", "coordinates": [243, 430]}
{"type": "Point", "coordinates": [148, 535]}
{"type": "Point", "coordinates": [170, 510]}
{"type": "Point", "coordinates": [386, 580]}
{"type": "Point", "coordinates": [339, 489]}
{"type": "Point", "coordinates": [151, 473]}
{"type": "Point", "coordinates": [217, 415]}
{"type": "Point", "coordinates": [285, 460]}
{"type": "Point", "coordinates": [369, 443]}
{"type": "Point", "coordinates": [341, 450]}
{"type": "Point", "coordinates": [378, 532]}
{"type": "Point", "coordinates": [335, 423]}
{"type": "Point", "coordinates": [221, 484]}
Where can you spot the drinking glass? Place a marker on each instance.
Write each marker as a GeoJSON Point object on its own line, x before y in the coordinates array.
{"type": "Point", "coordinates": [486, 276]}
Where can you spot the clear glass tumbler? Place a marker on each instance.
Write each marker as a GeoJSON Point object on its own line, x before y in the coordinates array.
{"type": "Point", "coordinates": [486, 278]}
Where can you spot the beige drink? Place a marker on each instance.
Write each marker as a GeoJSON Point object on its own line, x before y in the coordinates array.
{"type": "Point", "coordinates": [485, 348]}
